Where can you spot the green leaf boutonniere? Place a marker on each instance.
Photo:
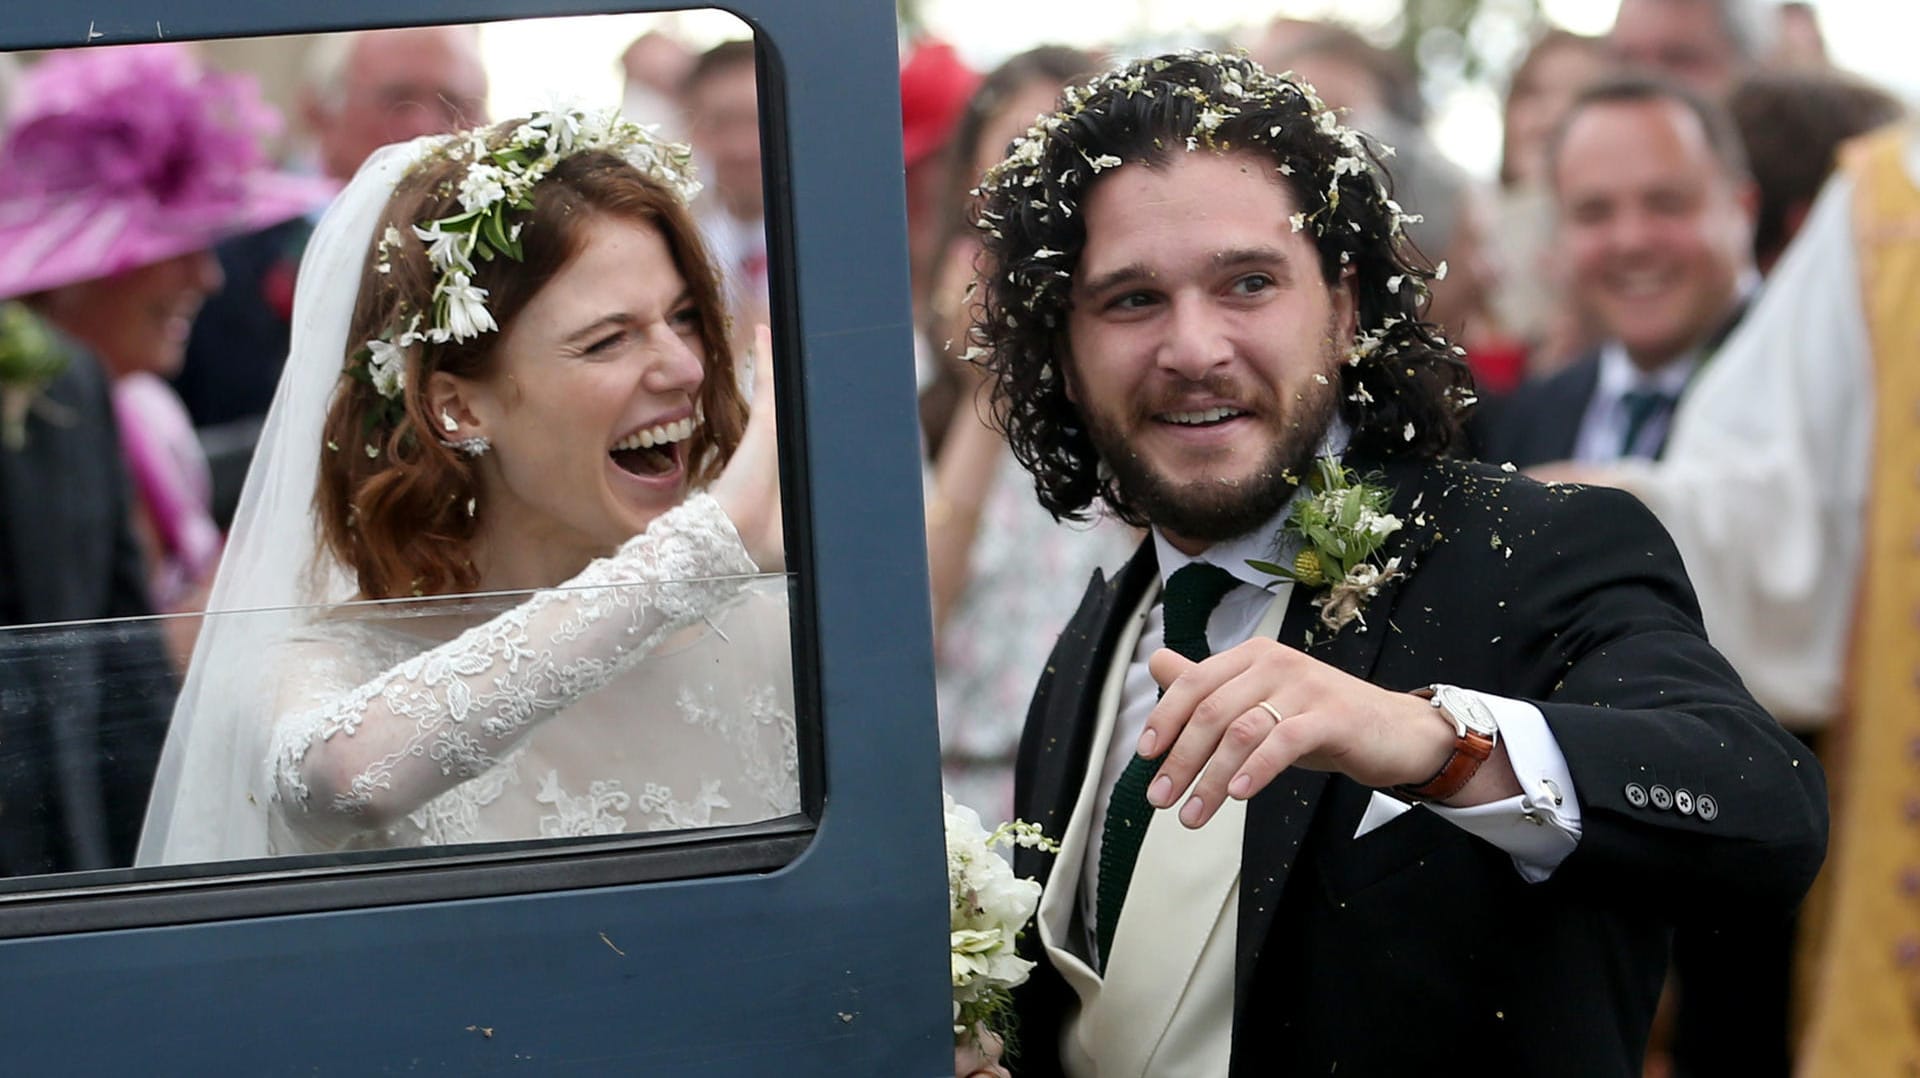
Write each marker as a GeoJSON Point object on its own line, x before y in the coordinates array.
{"type": "Point", "coordinates": [30, 357]}
{"type": "Point", "coordinates": [1340, 523]}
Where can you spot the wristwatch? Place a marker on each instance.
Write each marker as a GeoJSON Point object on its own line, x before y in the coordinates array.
{"type": "Point", "coordinates": [1475, 734]}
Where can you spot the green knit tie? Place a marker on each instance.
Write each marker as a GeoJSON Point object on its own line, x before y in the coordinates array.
{"type": "Point", "coordinates": [1192, 593]}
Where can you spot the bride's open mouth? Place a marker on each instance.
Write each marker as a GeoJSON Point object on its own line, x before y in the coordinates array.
{"type": "Point", "coordinates": [655, 452]}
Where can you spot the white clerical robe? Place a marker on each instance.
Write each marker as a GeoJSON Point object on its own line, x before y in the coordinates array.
{"type": "Point", "coordinates": [1764, 482]}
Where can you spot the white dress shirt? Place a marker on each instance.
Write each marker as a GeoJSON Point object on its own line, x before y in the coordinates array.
{"type": "Point", "coordinates": [1538, 827]}
{"type": "Point", "coordinates": [1603, 427]}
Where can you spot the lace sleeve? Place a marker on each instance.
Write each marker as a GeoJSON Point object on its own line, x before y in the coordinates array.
{"type": "Point", "coordinates": [366, 757]}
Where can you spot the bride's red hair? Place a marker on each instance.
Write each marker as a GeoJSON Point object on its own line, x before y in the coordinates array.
{"type": "Point", "coordinates": [392, 498]}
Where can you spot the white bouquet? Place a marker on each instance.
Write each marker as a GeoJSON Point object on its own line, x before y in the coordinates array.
{"type": "Point", "coordinates": [989, 908]}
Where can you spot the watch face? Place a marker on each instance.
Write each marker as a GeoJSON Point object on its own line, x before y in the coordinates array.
{"type": "Point", "coordinates": [1467, 708]}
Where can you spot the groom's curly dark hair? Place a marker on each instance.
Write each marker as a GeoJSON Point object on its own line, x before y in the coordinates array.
{"type": "Point", "coordinates": [1406, 396]}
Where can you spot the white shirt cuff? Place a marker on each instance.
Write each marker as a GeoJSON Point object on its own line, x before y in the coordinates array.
{"type": "Point", "coordinates": [1538, 827]}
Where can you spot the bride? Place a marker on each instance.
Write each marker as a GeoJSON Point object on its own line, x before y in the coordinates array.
{"type": "Point", "coordinates": [509, 375]}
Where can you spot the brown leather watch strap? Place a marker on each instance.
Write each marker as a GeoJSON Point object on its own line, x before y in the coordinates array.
{"type": "Point", "coordinates": [1470, 750]}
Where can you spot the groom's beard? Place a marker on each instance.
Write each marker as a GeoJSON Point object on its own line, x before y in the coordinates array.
{"type": "Point", "coordinates": [1213, 510]}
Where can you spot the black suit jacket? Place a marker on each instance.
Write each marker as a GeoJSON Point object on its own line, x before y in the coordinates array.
{"type": "Point", "coordinates": [1539, 422]}
{"type": "Point", "coordinates": [1418, 948]}
{"type": "Point", "coordinates": [241, 335]}
{"type": "Point", "coordinates": [83, 707]}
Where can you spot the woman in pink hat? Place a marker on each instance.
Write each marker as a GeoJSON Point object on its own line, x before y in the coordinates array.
{"type": "Point", "coordinates": [120, 170]}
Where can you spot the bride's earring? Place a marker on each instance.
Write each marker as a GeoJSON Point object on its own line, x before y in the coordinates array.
{"type": "Point", "coordinates": [472, 447]}
{"type": "Point", "coordinates": [446, 422]}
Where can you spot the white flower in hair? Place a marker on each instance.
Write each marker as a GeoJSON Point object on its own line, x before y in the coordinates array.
{"type": "Point", "coordinates": [564, 125]}
{"type": "Point", "coordinates": [467, 314]}
{"type": "Point", "coordinates": [483, 186]}
{"type": "Point", "coordinates": [443, 248]}
{"type": "Point", "coordinates": [387, 366]}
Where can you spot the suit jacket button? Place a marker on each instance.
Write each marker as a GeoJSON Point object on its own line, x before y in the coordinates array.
{"type": "Point", "coordinates": [1661, 797]}
{"type": "Point", "coordinates": [1683, 802]}
{"type": "Point", "coordinates": [1636, 795]}
{"type": "Point", "coordinates": [1707, 807]}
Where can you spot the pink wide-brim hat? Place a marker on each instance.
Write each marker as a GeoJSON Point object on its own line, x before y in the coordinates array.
{"type": "Point", "coordinates": [117, 158]}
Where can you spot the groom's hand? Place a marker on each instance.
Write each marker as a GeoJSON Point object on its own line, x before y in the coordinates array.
{"type": "Point", "coordinates": [1212, 718]}
{"type": "Point", "coordinates": [978, 1056]}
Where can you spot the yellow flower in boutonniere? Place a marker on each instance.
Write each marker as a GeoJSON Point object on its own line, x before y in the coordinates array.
{"type": "Point", "coordinates": [30, 357]}
{"type": "Point", "coordinates": [1340, 522]}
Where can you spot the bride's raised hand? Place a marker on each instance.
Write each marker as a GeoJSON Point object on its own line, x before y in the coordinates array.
{"type": "Point", "coordinates": [749, 488]}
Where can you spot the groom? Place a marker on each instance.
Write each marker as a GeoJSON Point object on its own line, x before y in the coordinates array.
{"type": "Point", "coordinates": [1451, 794]}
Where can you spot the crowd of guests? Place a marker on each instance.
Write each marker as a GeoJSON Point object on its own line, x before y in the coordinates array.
{"type": "Point", "coordinates": [1630, 294]}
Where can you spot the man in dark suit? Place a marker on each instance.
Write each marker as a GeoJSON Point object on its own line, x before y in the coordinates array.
{"type": "Point", "coordinates": [1655, 221]}
{"type": "Point", "coordinates": [83, 707]}
{"type": "Point", "coordinates": [1656, 217]}
{"type": "Point", "coordinates": [1459, 769]}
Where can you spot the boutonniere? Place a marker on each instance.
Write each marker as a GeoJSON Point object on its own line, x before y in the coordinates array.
{"type": "Point", "coordinates": [1340, 522]}
{"type": "Point", "coordinates": [30, 357]}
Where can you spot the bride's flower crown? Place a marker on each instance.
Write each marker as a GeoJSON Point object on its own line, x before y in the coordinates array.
{"type": "Point", "coordinates": [500, 180]}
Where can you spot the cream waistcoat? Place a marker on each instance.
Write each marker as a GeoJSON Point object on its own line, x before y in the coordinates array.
{"type": "Point", "coordinates": [1165, 1004]}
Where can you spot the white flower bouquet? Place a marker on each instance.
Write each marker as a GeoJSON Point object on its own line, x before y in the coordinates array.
{"type": "Point", "coordinates": [987, 911]}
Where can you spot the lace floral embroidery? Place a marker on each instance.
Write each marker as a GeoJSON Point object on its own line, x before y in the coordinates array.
{"type": "Point", "coordinates": [383, 749]}
{"type": "Point", "coordinates": [594, 813]}
{"type": "Point", "coordinates": [761, 733]}
{"type": "Point", "coordinates": [455, 815]}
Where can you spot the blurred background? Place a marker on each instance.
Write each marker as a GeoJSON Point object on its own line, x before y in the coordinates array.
{"type": "Point", "coordinates": [1595, 268]}
{"type": "Point", "coordinates": [1463, 51]}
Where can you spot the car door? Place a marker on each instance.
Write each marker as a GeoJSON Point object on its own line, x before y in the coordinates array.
{"type": "Point", "coordinates": [808, 944]}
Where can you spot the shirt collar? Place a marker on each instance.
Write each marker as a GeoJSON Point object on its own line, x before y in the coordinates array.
{"type": "Point", "coordinates": [1263, 542]}
{"type": "Point", "coordinates": [1618, 375]}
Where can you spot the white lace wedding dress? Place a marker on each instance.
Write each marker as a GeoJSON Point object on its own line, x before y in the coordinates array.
{"type": "Point", "coordinates": [652, 691]}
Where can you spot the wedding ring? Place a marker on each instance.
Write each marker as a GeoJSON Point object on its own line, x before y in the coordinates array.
{"type": "Point", "coordinates": [1271, 710]}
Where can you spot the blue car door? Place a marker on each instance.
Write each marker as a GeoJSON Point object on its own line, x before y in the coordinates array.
{"type": "Point", "coordinates": [808, 944]}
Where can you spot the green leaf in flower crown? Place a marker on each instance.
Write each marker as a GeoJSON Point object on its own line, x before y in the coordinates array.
{"type": "Point", "coordinates": [493, 233]}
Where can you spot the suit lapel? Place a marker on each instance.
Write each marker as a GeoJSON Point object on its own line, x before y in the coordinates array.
{"type": "Point", "coordinates": [1279, 816]}
{"type": "Point", "coordinates": [1563, 417]}
{"type": "Point", "coordinates": [1065, 730]}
